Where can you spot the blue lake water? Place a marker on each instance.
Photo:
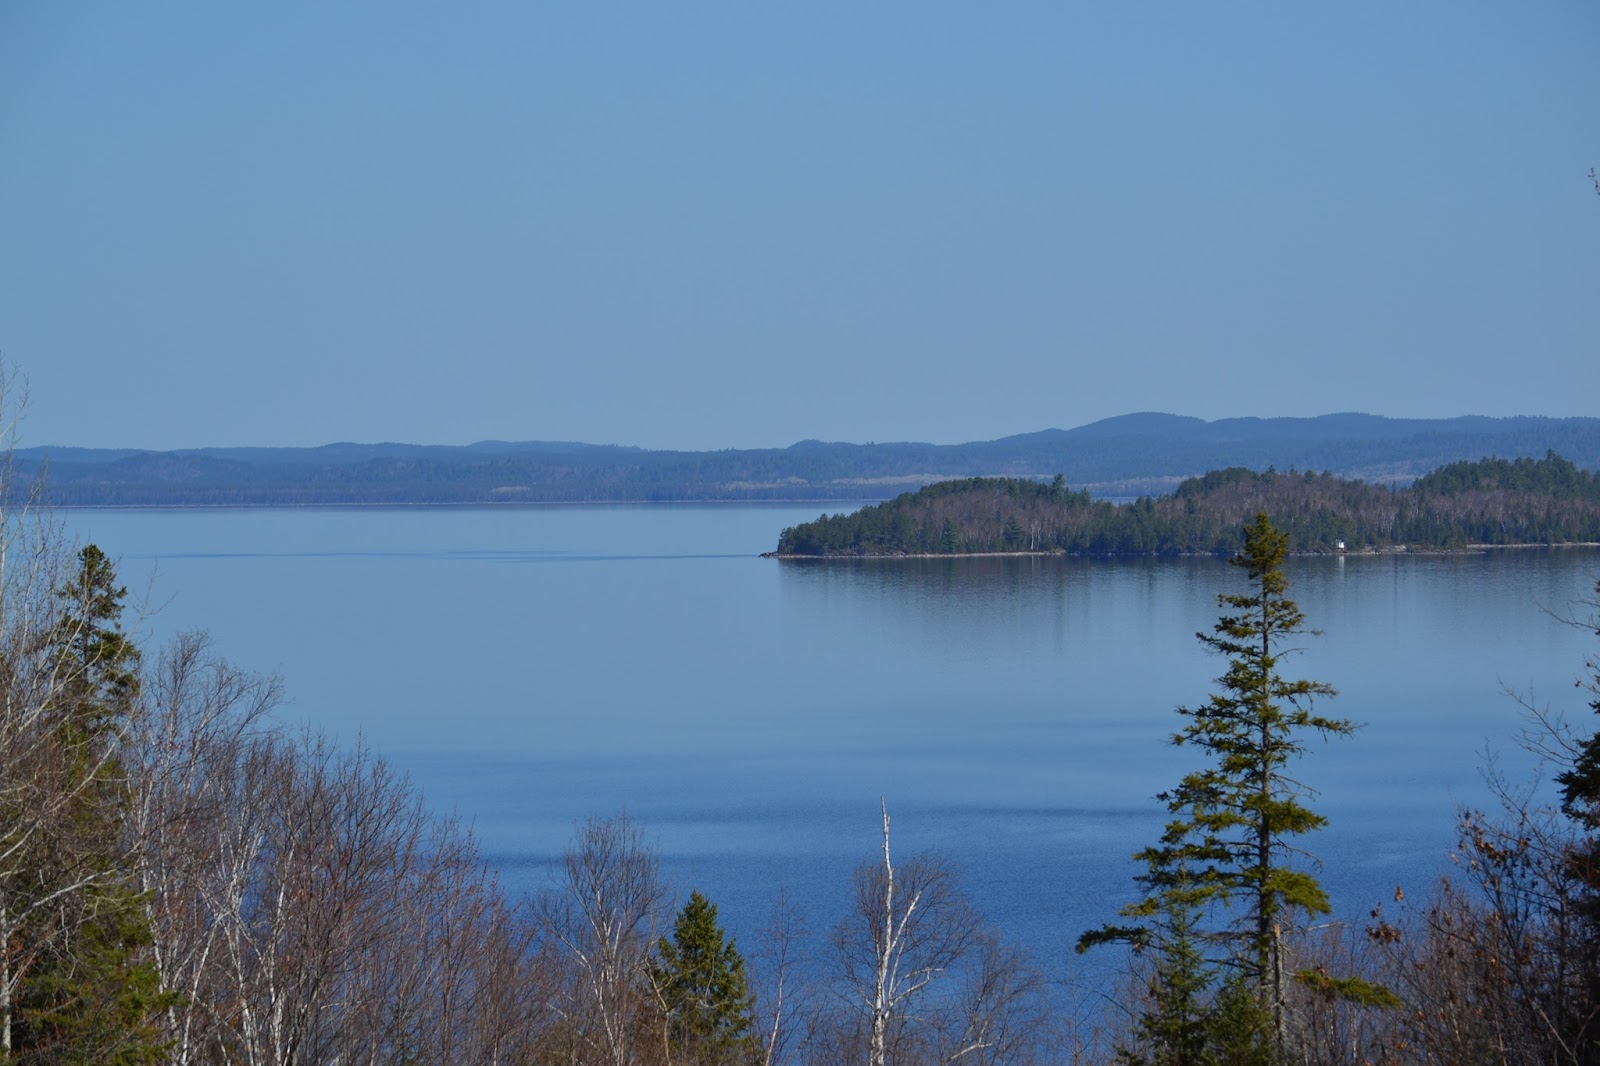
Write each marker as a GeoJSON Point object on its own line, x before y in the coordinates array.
{"type": "Point", "coordinates": [529, 667]}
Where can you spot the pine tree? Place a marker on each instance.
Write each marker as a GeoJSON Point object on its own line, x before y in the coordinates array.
{"type": "Point", "coordinates": [699, 976]}
{"type": "Point", "coordinates": [1226, 846]}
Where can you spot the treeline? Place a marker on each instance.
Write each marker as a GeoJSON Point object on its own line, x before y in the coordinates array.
{"type": "Point", "coordinates": [1114, 457]}
{"type": "Point", "coordinates": [1488, 502]}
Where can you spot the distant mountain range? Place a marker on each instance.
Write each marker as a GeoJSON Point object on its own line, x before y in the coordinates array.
{"type": "Point", "coordinates": [1137, 454]}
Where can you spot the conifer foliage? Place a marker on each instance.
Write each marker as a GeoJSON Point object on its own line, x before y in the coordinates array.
{"type": "Point", "coordinates": [88, 992]}
{"type": "Point", "coordinates": [1580, 801]}
{"type": "Point", "coordinates": [699, 977]}
{"type": "Point", "coordinates": [1226, 851]}
{"type": "Point", "coordinates": [1580, 782]}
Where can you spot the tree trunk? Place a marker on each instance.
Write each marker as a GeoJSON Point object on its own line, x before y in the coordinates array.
{"type": "Point", "coordinates": [877, 1050]}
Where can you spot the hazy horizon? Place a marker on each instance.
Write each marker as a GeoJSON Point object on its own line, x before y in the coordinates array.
{"type": "Point", "coordinates": [26, 445]}
{"type": "Point", "coordinates": [722, 226]}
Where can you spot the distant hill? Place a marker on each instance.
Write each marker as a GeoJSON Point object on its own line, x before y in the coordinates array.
{"type": "Point", "coordinates": [1118, 457]}
{"type": "Point", "coordinates": [1489, 502]}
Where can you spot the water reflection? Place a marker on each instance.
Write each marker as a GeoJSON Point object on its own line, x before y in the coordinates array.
{"type": "Point", "coordinates": [531, 667]}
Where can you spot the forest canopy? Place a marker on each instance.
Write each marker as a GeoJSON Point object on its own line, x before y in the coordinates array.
{"type": "Point", "coordinates": [1491, 502]}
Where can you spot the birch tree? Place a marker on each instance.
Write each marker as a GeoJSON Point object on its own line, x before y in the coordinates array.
{"type": "Point", "coordinates": [304, 906]}
{"type": "Point", "coordinates": [200, 833]}
{"type": "Point", "coordinates": [601, 916]}
{"type": "Point", "coordinates": [782, 1003]}
{"type": "Point", "coordinates": [911, 923]}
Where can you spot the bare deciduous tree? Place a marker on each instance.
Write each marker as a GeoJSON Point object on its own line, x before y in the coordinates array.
{"type": "Point", "coordinates": [782, 1002]}
{"type": "Point", "coordinates": [304, 905]}
{"type": "Point", "coordinates": [1002, 1012]}
{"type": "Point", "coordinates": [195, 827]}
{"type": "Point", "coordinates": [910, 924]}
{"type": "Point", "coordinates": [603, 916]}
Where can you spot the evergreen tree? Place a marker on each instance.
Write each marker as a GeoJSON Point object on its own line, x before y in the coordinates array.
{"type": "Point", "coordinates": [1174, 1027]}
{"type": "Point", "coordinates": [1234, 817]}
{"type": "Point", "coordinates": [99, 663]}
{"type": "Point", "coordinates": [96, 998]}
{"type": "Point", "coordinates": [1226, 847]}
{"type": "Point", "coordinates": [1580, 783]}
{"type": "Point", "coordinates": [93, 996]}
{"type": "Point", "coordinates": [699, 976]}
{"type": "Point", "coordinates": [1580, 800]}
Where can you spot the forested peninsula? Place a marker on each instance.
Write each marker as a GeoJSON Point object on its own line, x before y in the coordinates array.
{"type": "Point", "coordinates": [1489, 502]}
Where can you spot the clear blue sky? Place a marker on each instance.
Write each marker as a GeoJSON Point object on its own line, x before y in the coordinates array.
{"type": "Point", "coordinates": [711, 225]}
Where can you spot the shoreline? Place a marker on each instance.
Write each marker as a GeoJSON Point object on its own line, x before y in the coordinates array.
{"type": "Point", "coordinates": [1369, 553]}
{"type": "Point", "coordinates": [426, 505]}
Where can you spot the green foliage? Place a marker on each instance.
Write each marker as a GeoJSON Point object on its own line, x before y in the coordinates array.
{"type": "Point", "coordinates": [1234, 817]}
{"type": "Point", "coordinates": [92, 995]}
{"type": "Point", "coordinates": [1356, 990]}
{"type": "Point", "coordinates": [1579, 786]}
{"type": "Point", "coordinates": [1177, 1022]}
{"type": "Point", "coordinates": [1014, 536]}
{"type": "Point", "coordinates": [1241, 1029]}
{"type": "Point", "coordinates": [1491, 502]}
{"type": "Point", "coordinates": [97, 997]}
{"type": "Point", "coordinates": [1550, 476]}
{"type": "Point", "coordinates": [1226, 848]}
{"type": "Point", "coordinates": [699, 976]}
{"type": "Point", "coordinates": [98, 664]}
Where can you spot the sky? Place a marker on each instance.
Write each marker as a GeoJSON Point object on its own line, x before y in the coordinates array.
{"type": "Point", "coordinates": [716, 225]}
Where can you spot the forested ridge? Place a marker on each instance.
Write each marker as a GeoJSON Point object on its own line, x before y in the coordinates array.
{"type": "Point", "coordinates": [1484, 502]}
{"type": "Point", "coordinates": [1120, 456]}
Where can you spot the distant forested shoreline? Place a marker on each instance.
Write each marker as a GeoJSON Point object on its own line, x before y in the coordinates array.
{"type": "Point", "coordinates": [1490, 502]}
{"type": "Point", "coordinates": [1123, 457]}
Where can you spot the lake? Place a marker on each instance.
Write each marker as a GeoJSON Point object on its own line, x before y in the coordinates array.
{"type": "Point", "coordinates": [532, 666]}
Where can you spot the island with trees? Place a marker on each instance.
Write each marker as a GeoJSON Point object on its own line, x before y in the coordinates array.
{"type": "Point", "coordinates": [1489, 502]}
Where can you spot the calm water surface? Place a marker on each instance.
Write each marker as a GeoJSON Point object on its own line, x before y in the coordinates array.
{"type": "Point", "coordinates": [529, 667]}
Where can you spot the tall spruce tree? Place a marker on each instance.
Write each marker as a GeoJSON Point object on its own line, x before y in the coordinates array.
{"type": "Point", "coordinates": [93, 995]}
{"type": "Point", "coordinates": [699, 976]}
{"type": "Point", "coordinates": [1227, 847]}
{"type": "Point", "coordinates": [98, 662]}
